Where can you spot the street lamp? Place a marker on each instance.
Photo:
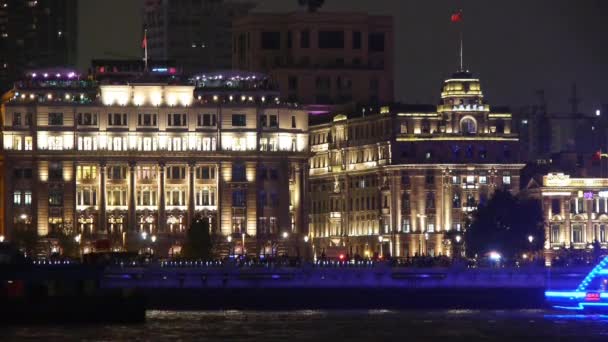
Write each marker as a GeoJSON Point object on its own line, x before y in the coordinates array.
{"type": "Point", "coordinates": [153, 238]}
{"type": "Point", "coordinates": [380, 242]}
{"type": "Point", "coordinates": [144, 235]}
{"type": "Point", "coordinates": [530, 238]}
{"type": "Point", "coordinates": [229, 239]}
{"type": "Point", "coordinates": [1, 238]}
{"type": "Point", "coordinates": [285, 235]}
{"type": "Point", "coordinates": [306, 238]}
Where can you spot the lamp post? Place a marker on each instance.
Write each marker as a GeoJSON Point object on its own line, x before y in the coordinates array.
{"type": "Point", "coordinates": [380, 242]}
{"type": "Point", "coordinates": [531, 240]}
{"type": "Point", "coordinates": [229, 239]}
{"type": "Point", "coordinates": [285, 237]}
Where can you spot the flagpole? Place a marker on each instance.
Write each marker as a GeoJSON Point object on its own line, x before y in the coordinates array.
{"type": "Point", "coordinates": [146, 50]}
{"type": "Point", "coordinates": [461, 48]}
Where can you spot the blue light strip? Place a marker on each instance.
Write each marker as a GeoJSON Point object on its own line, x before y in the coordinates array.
{"type": "Point", "coordinates": [571, 294]}
{"type": "Point", "coordinates": [581, 306]}
{"type": "Point", "coordinates": [595, 271]}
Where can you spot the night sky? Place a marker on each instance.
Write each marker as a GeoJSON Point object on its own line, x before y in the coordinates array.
{"type": "Point", "coordinates": [516, 47]}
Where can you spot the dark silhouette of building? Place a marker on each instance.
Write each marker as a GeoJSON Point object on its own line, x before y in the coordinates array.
{"type": "Point", "coordinates": [197, 35]}
{"type": "Point", "coordinates": [35, 34]}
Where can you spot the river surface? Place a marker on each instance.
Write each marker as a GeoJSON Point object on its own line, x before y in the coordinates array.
{"type": "Point", "coordinates": [368, 326]}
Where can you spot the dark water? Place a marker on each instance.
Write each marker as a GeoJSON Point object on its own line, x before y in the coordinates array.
{"type": "Point", "coordinates": [369, 326]}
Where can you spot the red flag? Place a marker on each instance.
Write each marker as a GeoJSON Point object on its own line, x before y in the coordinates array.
{"type": "Point", "coordinates": [457, 16]}
{"type": "Point", "coordinates": [144, 43]}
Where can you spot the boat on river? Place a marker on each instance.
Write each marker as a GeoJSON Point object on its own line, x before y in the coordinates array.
{"type": "Point", "coordinates": [590, 295]}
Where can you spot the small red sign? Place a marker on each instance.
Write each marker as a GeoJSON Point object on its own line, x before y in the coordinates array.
{"type": "Point", "coordinates": [592, 297]}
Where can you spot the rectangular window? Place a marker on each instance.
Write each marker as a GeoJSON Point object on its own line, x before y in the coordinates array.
{"type": "Point", "coordinates": [356, 40]}
{"type": "Point", "coordinates": [293, 122]}
{"type": "Point", "coordinates": [239, 120]}
{"type": "Point", "coordinates": [305, 39]}
{"type": "Point", "coordinates": [55, 197]}
{"type": "Point", "coordinates": [28, 144]}
{"type": "Point", "coordinates": [17, 198]}
{"type": "Point", "coordinates": [238, 198]}
{"type": "Point", "coordinates": [87, 119]}
{"type": "Point", "coordinates": [28, 198]}
{"type": "Point", "coordinates": [176, 120]}
{"type": "Point", "coordinates": [483, 179]}
{"type": "Point", "coordinates": [405, 225]}
{"type": "Point", "coordinates": [55, 119]}
{"type": "Point", "coordinates": [376, 42]}
{"type": "Point", "coordinates": [238, 172]}
{"type": "Point", "coordinates": [274, 123]}
{"type": "Point", "coordinates": [16, 119]}
{"type": "Point", "coordinates": [146, 120]}
{"type": "Point", "coordinates": [207, 120]}
{"type": "Point", "coordinates": [117, 119]}
{"type": "Point", "coordinates": [263, 120]}
{"type": "Point", "coordinates": [555, 207]}
{"type": "Point", "coordinates": [271, 40]}
{"type": "Point", "coordinates": [506, 178]}
{"type": "Point", "coordinates": [331, 39]}
{"type": "Point", "coordinates": [602, 233]}
{"type": "Point", "coordinates": [430, 228]}
{"type": "Point", "coordinates": [577, 233]}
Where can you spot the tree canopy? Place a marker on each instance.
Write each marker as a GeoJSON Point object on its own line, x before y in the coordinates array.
{"type": "Point", "coordinates": [198, 240]}
{"type": "Point", "coordinates": [504, 224]}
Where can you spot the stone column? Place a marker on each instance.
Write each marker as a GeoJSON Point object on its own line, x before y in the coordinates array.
{"type": "Point", "coordinates": [162, 215]}
{"type": "Point", "coordinates": [103, 221]}
{"type": "Point", "coordinates": [132, 194]}
{"type": "Point", "coordinates": [191, 167]}
{"type": "Point", "coordinates": [588, 238]}
{"type": "Point", "coordinates": [567, 229]}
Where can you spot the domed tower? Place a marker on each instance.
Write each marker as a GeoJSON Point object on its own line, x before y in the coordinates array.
{"type": "Point", "coordinates": [462, 105]}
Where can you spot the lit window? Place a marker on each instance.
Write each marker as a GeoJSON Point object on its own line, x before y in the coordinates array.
{"type": "Point", "coordinates": [17, 198]}
{"type": "Point", "coordinates": [28, 198]}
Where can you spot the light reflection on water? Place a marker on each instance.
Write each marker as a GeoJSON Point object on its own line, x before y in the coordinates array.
{"type": "Point", "coordinates": [321, 325]}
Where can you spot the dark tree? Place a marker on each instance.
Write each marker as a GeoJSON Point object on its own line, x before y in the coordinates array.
{"type": "Point", "coordinates": [198, 240]}
{"type": "Point", "coordinates": [313, 5]}
{"type": "Point", "coordinates": [26, 240]}
{"type": "Point", "coordinates": [504, 224]}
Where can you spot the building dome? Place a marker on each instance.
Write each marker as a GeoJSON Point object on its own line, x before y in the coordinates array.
{"type": "Point", "coordinates": [462, 92]}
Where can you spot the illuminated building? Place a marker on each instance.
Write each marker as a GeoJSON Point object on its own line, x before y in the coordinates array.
{"type": "Point", "coordinates": [321, 58]}
{"type": "Point", "coordinates": [132, 163]}
{"type": "Point", "coordinates": [395, 180]}
{"type": "Point", "coordinates": [575, 212]}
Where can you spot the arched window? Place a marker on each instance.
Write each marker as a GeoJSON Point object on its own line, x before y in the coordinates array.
{"type": "Point", "coordinates": [468, 125]}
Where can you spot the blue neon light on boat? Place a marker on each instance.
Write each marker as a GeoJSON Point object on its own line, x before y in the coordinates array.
{"type": "Point", "coordinates": [582, 298]}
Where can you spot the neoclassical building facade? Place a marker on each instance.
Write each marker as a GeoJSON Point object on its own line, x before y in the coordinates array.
{"type": "Point", "coordinates": [397, 179]}
{"type": "Point", "coordinates": [575, 212]}
{"type": "Point", "coordinates": [129, 164]}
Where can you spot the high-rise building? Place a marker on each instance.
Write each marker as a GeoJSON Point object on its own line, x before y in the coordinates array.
{"type": "Point", "coordinates": [323, 58]}
{"type": "Point", "coordinates": [401, 180]}
{"type": "Point", "coordinates": [197, 34]}
{"type": "Point", "coordinates": [35, 33]}
{"type": "Point", "coordinates": [127, 165]}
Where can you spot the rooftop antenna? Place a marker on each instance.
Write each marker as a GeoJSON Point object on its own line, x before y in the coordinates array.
{"type": "Point", "coordinates": [457, 18]}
